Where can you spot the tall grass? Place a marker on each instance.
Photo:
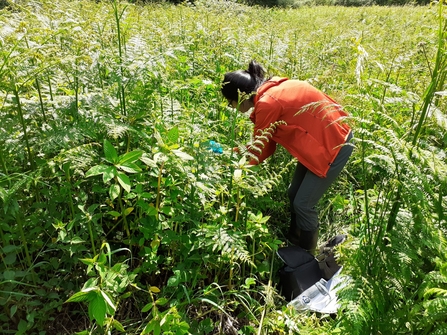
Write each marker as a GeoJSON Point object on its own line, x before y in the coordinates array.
{"type": "Point", "coordinates": [107, 111]}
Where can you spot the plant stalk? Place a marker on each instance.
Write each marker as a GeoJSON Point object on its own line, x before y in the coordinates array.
{"type": "Point", "coordinates": [22, 122]}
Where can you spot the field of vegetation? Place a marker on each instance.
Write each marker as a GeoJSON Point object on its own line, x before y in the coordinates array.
{"type": "Point", "coordinates": [115, 217]}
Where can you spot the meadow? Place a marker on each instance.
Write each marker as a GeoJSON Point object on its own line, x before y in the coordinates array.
{"type": "Point", "coordinates": [117, 218]}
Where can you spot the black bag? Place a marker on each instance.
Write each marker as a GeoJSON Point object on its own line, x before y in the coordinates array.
{"type": "Point", "coordinates": [301, 271]}
{"type": "Point", "coordinates": [328, 264]}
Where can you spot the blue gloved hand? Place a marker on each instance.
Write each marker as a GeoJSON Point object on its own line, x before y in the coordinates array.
{"type": "Point", "coordinates": [215, 147]}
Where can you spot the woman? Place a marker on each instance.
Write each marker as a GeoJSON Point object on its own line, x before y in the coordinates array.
{"type": "Point", "coordinates": [305, 121]}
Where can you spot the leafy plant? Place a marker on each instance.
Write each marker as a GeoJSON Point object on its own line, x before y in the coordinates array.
{"type": "Point", "coordinates": [103, 291]}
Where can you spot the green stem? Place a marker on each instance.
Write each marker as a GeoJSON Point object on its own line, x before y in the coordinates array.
{"type": "Point", "coordinates": [123, 214]}
{"type": "Point", "coordinates": [70, 198]}
{"type": "Point", "coordinates": [2, 161]}
{"type": "Point", "coordinates": [25, 244]}
{"type": "Point", "coordinates": [157, 201]}
{"type": "Point", "coordinates": [22, 122]}
{"type": "Point", "coordinates": [120, 54]}
{"type": "Point", "coordinates": [92, 239]}
{"type": "Point", "coordinates": [269, 285]}
{"type": "Point", "coordinates": [39, 92]}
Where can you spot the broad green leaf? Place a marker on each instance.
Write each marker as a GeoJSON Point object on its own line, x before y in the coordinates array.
{"type": "Point", "coordinates": [12, 311]}
{"type": "Point", "coordinates": [128, 210]}
{"type": "Point", "coordinates": [114, 213]}
{"type": "Point", "coordinates": [147, 307]}
{"type": "Point", "coordinates": [154, 289]}
{"type": "Point", "coordinates": [108, 300]}
{"type": "Point", "coordinates": [110, 152]}
{"type": "Point", "coordinates": [183, 155]}
{"type": "Point", "coordinates": [118, 326]}
{"type": "Point", "coordinates": [124, 181]}
{"type": "Point", "coordinates": [102, 259]}
{"type": "Point", "coordinates": [9, 275]}
{"type": "Point", "coordinates": [97, 309]}
{"type": "Point", "coordinates": [129, 167]}
{"type": "Point", "coordinates": [22, 327]}
{"type": "Point", "coordinates": [114, 191]}
{"type": "Point", "coordinates": [90, 284]}
{"type": "Point", "coordinates": [11, 248]}
{"type": "Point", "coordinates": [149, 327]}
{"type": "Point", "coordinates": [10, 259]}
{"type": "Point", "coordinates": [78, 297]}
{"type": "Point", "coordinates": [173, 135]}
{"type": "Point", "coordinates": [130, 157]}
{"type": "Point", "coordinates": [173, 281]}
{"type": "Point", "coordinates": [87, 261]}
{"type": "Point", "coordinates": [161, 301]}
{"type": "Point", "coordinates": [149, 162]}
{"type": "Point", "coordinates": [108, 174]}
{"type": "Point", "coordinates": [95, 170]}
{"type": "Point", "coordinates": [152, 211]}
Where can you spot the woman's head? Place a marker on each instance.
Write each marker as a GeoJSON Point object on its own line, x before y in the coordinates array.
{"type": "Point", "coordinates": [244, 81]}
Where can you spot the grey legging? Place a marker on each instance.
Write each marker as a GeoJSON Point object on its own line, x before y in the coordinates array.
{"type": "Point", "coordinates": [307, 188]}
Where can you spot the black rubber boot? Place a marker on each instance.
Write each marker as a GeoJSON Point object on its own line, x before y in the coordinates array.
{"type": "Point", "coordinates": [308, 240]}
{"type": "Point", "coordinates": [293, 235]}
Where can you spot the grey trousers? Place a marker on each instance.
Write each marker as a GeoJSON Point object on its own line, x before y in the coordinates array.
{"type": "Point", "coordinates": [306, 189]}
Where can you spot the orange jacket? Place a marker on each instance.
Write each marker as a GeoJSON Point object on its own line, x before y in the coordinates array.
{"type": "Point", "coordinates": [311, 126]}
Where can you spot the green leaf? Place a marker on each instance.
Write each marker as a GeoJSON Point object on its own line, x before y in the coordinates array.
{"type": "Point", "coordinates": [147, 307]}
{"type": "Point", "coordinates": [149, 162]}
{"type": "Point", "coordinates": [118, 326]}
{"type": "Point", "coordinates": [108, 300]}
{"type": "Point", "coordinates": [110, 152]}
{"type": "Point", "coordinates": [206, 326]}
{"type": "Point", "coordinates": [127, 211]}
{"type": "Point", "coordinates": [124, 181]}
{"type": "Point", "coordinates": [183, 155]}
{"type": "Point", "coordinates": [114, 191]}
{"type": "Point", "coordinates": [154, 289]}
{"type": "Point", "coordinates": [95, 170]}
{"type": "Point", "coordinates": [129, 167]}
{"type": "Point", "coordinates": [108, 174]}
{"type": "Point", "coordinates": [249, 282]}
{"type": "Point", "coordinates": [10, 259]}
{"type": "Point", "coordinates": [114, 213]}
{"type": "Point", "coordinates": [76, 240]}
{"type": "Point", "coordinates": [87, 261]}
{"type": "Point", "coordinates": [10, 248]}
{"type": "Point", "coordinates": [173, 135]}
{"type": "Point", "coordinates": [12, 311]}
{"type": "Point", "coordinates": [130, 157]}
{"type": "Point", "coordinates": [90, 284]}
{"type": "Point", "coordinates": [97, 309]}
{"type": "Point", "coordinates": [9, 275]}
{"type": "Point", "coordinates": [22, 327]}
{"type": "Point", "coordinates": [78, 297]}
{"type": "Point", "coordinates": [162, 301]}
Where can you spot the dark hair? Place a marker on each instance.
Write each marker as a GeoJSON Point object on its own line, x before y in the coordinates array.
{"type": "Point", "coordinates": [246, 81]}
